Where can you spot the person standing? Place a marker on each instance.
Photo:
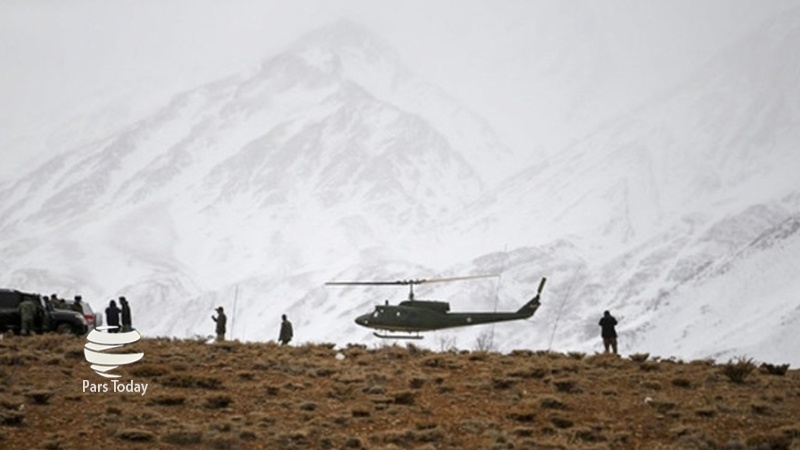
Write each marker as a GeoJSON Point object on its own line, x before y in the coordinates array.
{"type": "Point", "coordinates": [27, 313]}
{"type": "Point", "coordinates": [609, 333]}
{"type": "Point", "coordinates": [112, 317]}
{"type": "Point", "coordinates": [221, 319]}
{"type": "Point", "coordinates": [126, 315]}
{"type": "Point", "coordinates": [58, 303]}
{"type": "Point", "coordinates": [77, 306]}
{"type": "Point", "coordinates": [287, 333]}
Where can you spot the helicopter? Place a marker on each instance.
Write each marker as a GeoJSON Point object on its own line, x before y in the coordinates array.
{"type": "Point", "coordinates": [414, 316]}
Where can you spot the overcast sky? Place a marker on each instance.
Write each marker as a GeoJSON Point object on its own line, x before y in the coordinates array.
{"type": "Point", "coordinates": [501, 58]}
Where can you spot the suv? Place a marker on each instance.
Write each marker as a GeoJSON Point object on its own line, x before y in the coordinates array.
{"type": "Point", "coordinates": [93, 319]}
{"type": "Point", "coordinates": [47, 318]}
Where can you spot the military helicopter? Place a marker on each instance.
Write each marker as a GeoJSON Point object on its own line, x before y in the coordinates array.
{"type": "Point", "coordinates": [414, 316]}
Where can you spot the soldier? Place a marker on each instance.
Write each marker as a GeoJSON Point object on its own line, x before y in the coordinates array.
{"type": "Point", "coordinates": [112, 317]}
{"type": "Point", "coordinates": [609, 333]}
{"type": "Point", "coordinates": [221, 319]}
{"type": "Point", "coordinates": [57, 303]}
{"type": "Point", "coordinates": [286, 333]}
{"type": "Point", "coordinates": [126, 315]}
{"type": "Point", "coordinates": [47, 321]}
{"type": "Point", "coordinates": [27, 313]}
{"type": "Point", "coordinates": [77, 306]}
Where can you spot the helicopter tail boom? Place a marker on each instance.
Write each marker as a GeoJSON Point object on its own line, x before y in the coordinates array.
{"type": "Point", "coordinates": [529, 308]}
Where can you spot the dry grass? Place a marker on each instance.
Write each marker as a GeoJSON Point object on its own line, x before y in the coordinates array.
{"type": "Point", "coordinates": [241, 396]}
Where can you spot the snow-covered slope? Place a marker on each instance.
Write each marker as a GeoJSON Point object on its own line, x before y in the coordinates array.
{"type": "Point", "coordinates": [319, 154]}
{"type": "Point", "coordinates": [655, 201]}
{"type": "Point", "coordinates": [331, 160]}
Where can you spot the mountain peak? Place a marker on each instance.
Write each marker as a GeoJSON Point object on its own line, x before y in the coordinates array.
{"type": "Point", "coordinates": [343, 37]}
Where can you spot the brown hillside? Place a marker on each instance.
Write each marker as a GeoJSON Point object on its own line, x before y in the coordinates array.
{"type": "Point", "coordinates": [234, 395]}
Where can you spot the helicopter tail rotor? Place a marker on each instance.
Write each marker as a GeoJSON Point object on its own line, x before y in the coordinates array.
{"type": "Point", "coordinates": [541, 286]}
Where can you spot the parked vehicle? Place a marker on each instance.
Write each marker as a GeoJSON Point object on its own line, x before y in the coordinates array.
{"type": "Point", "coordinates": [93, 319]}
{"type": "Point", "coordinates": [48, 318]}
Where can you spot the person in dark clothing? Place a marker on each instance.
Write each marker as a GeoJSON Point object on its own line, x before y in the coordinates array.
{"type": "Point", "coordinates": [77, 305]}
{"type": "Point", "coordinates": [112, 317]}
{"type": "Point", "coordinates": [287, 333]}
{"type": "Point", "coordinates": [126, 315]}
{"type": "Point", "coordinates": [609, 333]}
{"type": "Point", "coordinates": [221, 319]}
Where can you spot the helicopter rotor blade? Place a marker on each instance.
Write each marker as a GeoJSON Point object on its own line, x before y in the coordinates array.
{"type": "Point", "coordinates": [406, 282]}
{"type": "Point", "coordinates": [445, 280]}
{"type": "Point", "coordinates": [367, 283]}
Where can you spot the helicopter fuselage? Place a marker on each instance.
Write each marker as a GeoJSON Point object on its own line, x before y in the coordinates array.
{"type": "Point", "coordinates": [427, 315]}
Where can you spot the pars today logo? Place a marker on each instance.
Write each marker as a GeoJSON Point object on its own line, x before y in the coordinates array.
{"type": "Point", "coordinates": [99, 342]}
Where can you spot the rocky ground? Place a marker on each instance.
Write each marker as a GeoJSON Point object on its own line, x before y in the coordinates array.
{"type": "Point", "coordinates": [234, 395]}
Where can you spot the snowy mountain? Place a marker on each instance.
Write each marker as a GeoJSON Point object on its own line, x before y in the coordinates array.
{"type": "Point", "coordinates": [666, 206]}
{"type": "Point", "coordinates": [332, 161]}
{"type": "Point", "coordinates": [307, 159]}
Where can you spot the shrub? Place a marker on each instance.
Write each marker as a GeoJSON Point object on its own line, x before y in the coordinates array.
{"type": "Point", "coordinates": [773, 369]}
{"type": "Point", "coordinates": [706, 412]}
{"type": "Point", "coordinates": [405, 398]}
{"type": "Point", "coordinates": [590, 435]}
{"type": "Point", "coordinates": [648, 366]}
{"type": "Point", "coordinates": [561, 422]}
{"type": "Point", "coordinates": [183, 437]}
{"type": "Point", "coordinates": [503, 383]}
{"type": "Point", "coordinates": [639, 357]}
{"type": "Point", "coordinates": [570, 386]}
{"type": "Point", "coordinates": [308, 406]}
{"type": "Point", "coordinates": [523, 416]}
{"type": "Point", "coordinates": [168, 400]}
{"type": "Point", "coordinates": [761, 409]}
{"type": "Point", "coordinates": [682, 382]}
{"type": "Point", "coordinates": [416, 382]}
{"type": "Point", "coordinates": [11, 418]}
{"type": "Point", "coordinates": [39, 397]}
{"type": "Point", "coordinates": [353, 442]}
{"type": "Point", "coordinates": [149, 370]}
{"type": "Point", "coordinates": [738, 369]}
{"type": "Point", "coordinates": [135, 435]}
{"type": "Point", "coordinates": [531, 372]}
{"type": "Point", "coordinates": [662, 406]}
{"type": "Point", "coordinates": [218, 401]}
{"type": "Point", "coordinates": [191, 381]}
{"type": "Point", "coordinates": [552, 403]}
{"type": "Point", "coordinates": [770, 441]}
{"type": "Point", "coordinates": [523, 431]}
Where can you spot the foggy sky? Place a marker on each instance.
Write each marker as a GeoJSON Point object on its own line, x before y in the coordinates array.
{"type": "Point", "coordinates": [512, 62]}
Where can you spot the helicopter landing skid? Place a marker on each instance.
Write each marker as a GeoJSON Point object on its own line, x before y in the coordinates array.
{"type": "Point", "coordinates": [398, 336]}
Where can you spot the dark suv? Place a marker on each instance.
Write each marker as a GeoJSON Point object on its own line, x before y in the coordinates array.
{"type": "Point", "coordinates": [47, 318]}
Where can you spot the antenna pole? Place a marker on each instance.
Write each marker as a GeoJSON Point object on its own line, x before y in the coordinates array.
{"type": "Point", "coordinates": [564, 300]}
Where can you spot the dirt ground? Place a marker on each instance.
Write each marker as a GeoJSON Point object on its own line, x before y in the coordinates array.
{"type": "Point", "coordinates": [233, 395]}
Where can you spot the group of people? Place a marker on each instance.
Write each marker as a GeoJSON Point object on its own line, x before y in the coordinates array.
{"type": "Point", "coordinates": [120, 318]}
{"type": "Point", "coordinates": [284, 337]}
{"type": "Point", "coordinates": [119, 315]}
{"type": "Point", "coordinates": [28, 310]}
{"type": "Point", "coordinates": [59, 303]}
{"type": "Point", "coordinates": [607, 324]}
